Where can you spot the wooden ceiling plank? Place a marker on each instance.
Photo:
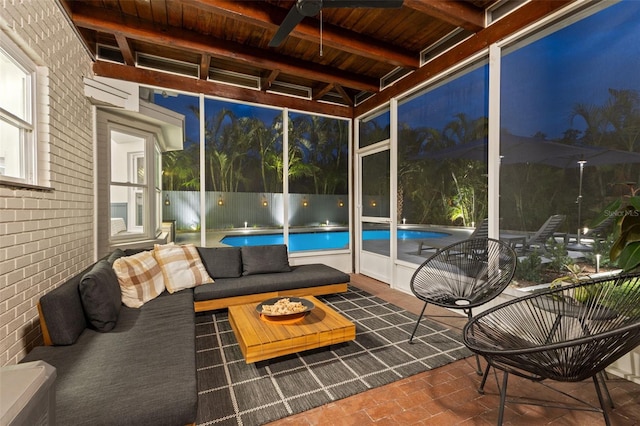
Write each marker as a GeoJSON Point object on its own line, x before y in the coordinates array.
{"type": "Point", "coordinates": [459, 13]}
{"type": "Point", "coordinates": [174, 14]}
{"type": "Point", "coordinates": [159, 12]}
{"type": "Point", "coordinates": [143, 9]}
{"type": "Point", "coordinates": [126, 6]}
{"type": "Point", "coordinates": [356, 44]}
{"type": "Point", "coordinates": [190, 85]}
{"type": "Point", "coordinates": [93, 18]}
{"type": "Point", "coordinates": [125, 49]}
{"type": "Point", "coordinates": [269, 17]}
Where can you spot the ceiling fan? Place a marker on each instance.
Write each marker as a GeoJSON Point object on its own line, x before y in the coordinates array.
{"type": "Point", "coordinates": [307, 8]}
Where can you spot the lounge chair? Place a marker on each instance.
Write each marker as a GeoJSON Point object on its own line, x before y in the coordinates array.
{"type": "Point", "coordinates": [541, 237]}
{"type": "Point", "coordinates": [481, 231]}
{"type": "Point", "coordinates": [599, 233]}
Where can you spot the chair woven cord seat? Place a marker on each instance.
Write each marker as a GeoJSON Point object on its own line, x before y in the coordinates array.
{"type": "Point", "coordinates": [565, 334]}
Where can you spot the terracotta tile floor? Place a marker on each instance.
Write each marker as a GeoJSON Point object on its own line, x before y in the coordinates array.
{"type": "Point", "coordinates": [448, 396]}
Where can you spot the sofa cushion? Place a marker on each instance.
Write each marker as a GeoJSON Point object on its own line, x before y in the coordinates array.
{"type": "Point", "coordinates": [222, 262]}
{"type": "Point", "coordinates": [116, 254]}
{"type": "Point", "coordinates": [100, 294]}
{"type": "Point", "coordinates": [140, 278]}
{"type": "Point", "coordinates": [264, 259]}
{"type": "Point", "coordinates": [63, 311]}
{"type": "Point", "coordinates": [143, 372]}
{"type": "Point", "coordinates": [181, 266]}
{"type": "Point", "coordinates": [301, 276]}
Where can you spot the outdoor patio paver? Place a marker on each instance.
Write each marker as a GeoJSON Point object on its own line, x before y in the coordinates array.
{"type": "Point", "coordinates": [448, 395]}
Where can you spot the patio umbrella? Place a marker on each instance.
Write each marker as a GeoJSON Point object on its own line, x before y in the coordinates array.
{"type": "Point", "coordinates": [516, 149]}
{"type": "Point", "coordinates": [597, 156]}
{"type": "Point", "coordinates": [520, 149]}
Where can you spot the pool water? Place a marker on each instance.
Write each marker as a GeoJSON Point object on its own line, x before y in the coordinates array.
{"type": "Point", "coordinates": [324, 240]}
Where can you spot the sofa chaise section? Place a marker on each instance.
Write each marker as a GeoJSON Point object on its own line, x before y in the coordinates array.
{"type": "Point", "coordinates": [142, 372]}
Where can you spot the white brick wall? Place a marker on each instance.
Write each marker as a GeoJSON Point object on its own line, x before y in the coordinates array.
{"type": "Point", "coordinates": [47, 236]}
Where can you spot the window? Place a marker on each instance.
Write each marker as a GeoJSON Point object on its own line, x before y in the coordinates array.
{"type": "Point", "coordinates": [375, 128]}
{"type": "Point", "coordinates": [443, 151]}
{"type": "Point", "coordinates": [17, 114]}
{"type": "Point", "coordinates": [570, 116]}
{"type": "Point", "coordinates": [318, 158]}
{"type": "Point", "coordinates": [129, 196]}
{"type": "Point", "coordinates": [135, 199]}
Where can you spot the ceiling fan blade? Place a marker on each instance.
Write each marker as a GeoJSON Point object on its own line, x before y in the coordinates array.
{"type": "Point", "coordinates": [292, 19]}
{"type": "Point", "coordinates": [304, 8]}
{"type": "Point", "coordinates": [371, 4]}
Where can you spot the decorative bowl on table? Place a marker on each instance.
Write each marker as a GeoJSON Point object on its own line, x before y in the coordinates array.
{"type": "Point", "coordinates": [281, 309]}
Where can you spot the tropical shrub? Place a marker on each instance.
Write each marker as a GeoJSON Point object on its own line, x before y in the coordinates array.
{"type": "Point", "coordinates": [625, 251]}
{"type": "Point", "coordinates": [529, 268]}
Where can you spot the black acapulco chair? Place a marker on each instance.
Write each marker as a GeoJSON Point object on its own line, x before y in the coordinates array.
{"type": "Point", "coordinates": [464, 275]}
{"type": "Point", "coordinates": [566, 334]}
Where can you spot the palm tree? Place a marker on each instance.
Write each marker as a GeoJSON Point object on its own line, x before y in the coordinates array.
{"type": "Point", "coordinates": [181, 169]}
{"type": "Point", "coordinates": [462, 130]}
{"type": "Point", "coordinates": [595, 119]}
{"type": "Point", "coordinates": [622, 113]}
{"type": "Point", "coordinates": [270, 156]}
{"type": "Point", "coordinates": [215, 146]}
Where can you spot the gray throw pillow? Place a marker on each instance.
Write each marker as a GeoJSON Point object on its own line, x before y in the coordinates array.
{"type": "Point", "coordinates": [265, 259]}
{"type": "Point", "coordinates": [221, 262]}
{"type": "Point", "coordinates": [116, 254]}
{"type": "Point", "coordinates": [63, 313]}
{"type": "Point", "coordinates": [100, 294]}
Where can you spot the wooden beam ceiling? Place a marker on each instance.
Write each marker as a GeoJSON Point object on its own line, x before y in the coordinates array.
{"type": "Point", "coordinates": [192, 85]}
{"type": "Point", "coordinates": [232, 36]}
{"type": "Point", "coordinates": [86, 16]}
{"type": "Point", "coordinates": [270, 17]}
{"type": "Point", "coordinates": [460, 14]}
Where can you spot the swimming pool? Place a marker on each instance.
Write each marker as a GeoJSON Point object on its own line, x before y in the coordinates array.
{"type": "Point", "coordinates": [324, 240]}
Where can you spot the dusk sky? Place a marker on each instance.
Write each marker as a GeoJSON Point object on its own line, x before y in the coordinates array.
{"type": "Point", "coordinates": [578, 64]}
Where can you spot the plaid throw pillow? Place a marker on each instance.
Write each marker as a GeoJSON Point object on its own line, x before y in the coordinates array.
{"type": "Point", "coordinates": [181, 266]}
{"type": "Point", "coordinates": [140, 278]}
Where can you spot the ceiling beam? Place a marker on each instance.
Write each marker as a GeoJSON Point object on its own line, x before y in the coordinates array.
{"type": "Point", "coordinates": [459, 13]}
{"type": "Point", "coordinates": [526, 15]}
{"type": "Point", "coordinates": [85, 16]}
{"type": "Point", "coordinates": [344, 94]}
{"type": "Point", "coordinates": [210, 88]}
{"type": "Point", "coordinates": [265, 84]}
{"type": "Point", "coordinates": [323, 91]}
{"type": "Point", "coordinates": [270, 17]}
{"type": "Point", "coordinates": [205, 64]}
{"type": "Point", "coordinates": [125, 49]}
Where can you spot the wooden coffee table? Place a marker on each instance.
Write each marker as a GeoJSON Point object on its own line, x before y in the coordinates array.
{"type": "Point", "coordinates": [260, 340]}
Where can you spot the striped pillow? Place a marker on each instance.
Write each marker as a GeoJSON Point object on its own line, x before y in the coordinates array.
{"type": "Point", "coordinates": [181, 266]}
{"type": "Point", "coordinates": [140, 278]}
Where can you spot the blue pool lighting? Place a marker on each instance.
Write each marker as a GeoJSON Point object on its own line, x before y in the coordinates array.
{"type": "Point", "coordinates": [324, 240]}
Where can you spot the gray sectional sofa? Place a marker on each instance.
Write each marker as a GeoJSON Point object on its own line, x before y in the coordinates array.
{"type": "Point", "coordinates": [253, 274]}
{"type": "Point", "coordinates": [140, 369]}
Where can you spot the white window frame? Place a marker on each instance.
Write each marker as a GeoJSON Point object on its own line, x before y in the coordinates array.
{"type": "Point", "coordinates": [26, 125]}
{"type": "Point", "coordinates": [150, 228]}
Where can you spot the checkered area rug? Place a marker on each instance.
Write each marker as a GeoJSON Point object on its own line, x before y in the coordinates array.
{"type": "Point", "coordinates": [230, 392]}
